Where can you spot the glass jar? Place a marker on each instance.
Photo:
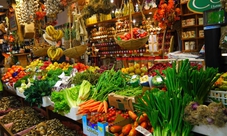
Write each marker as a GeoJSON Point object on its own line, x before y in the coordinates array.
{"type": "Point", "coordinates": [144, 61]}
{"type": "Point", "coordinates": [125, 63]}
{"type": "Point", "coordinates": [130, 61]}
{"type": "Point", "coordinates": [137, 61]}
{"type": "Point", "coordinates": [119, 63]}
{"type": "Point", "coordinates": [150, 62]}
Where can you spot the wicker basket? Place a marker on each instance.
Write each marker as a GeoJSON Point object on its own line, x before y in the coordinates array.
{"type": "Point", "coordinates": [131, 44]}
{"type": "Point", "coordinates": [75, 52]}
{"type": "Point", "coordinates": [74, 43]}
{"type": "Point", "coordinates": [40, 52]}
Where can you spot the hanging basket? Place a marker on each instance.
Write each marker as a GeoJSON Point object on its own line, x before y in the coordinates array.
{"type": "Point", "coordinates": [75, 52]}
{"type": "Point", "coordinates": [73, 44]}
{"type": "Point", "coordinates": [131, 44]}
{"type": "Point", "coordinates": [67, 44]}
{"type": "Point", "coordinates": [40, 52]}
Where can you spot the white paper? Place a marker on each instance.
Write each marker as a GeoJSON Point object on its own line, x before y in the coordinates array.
{"type": "Point", "coordinates": [58, 84]}
{"type": "Point", "coordinates": [143, 131]}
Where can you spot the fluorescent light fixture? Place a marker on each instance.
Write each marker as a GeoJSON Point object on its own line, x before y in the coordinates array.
{"type": "Point", "coordinates": [1, 6]}
{"type": "Point", "coordinates": [224, 54]}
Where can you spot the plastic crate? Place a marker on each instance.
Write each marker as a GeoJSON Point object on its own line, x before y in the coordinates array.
{"type": "Point", "coordinates": [219, 96]}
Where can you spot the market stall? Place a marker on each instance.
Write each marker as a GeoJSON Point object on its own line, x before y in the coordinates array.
{"type": "Point", "coordinates": [109, 68]}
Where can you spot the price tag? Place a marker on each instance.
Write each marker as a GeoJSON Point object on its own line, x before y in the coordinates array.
{"type": "Point", "coordinates": [143, 131]}
{"type": "Point", "coordinates": [58, 84]}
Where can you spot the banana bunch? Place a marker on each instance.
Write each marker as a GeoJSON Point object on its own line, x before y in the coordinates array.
{"type": "Point", "coordinates": [53, 34]}
{"type": "Point", "coordinates": [54, 53]}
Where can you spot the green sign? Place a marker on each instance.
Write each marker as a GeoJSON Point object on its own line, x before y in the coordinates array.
{"type": "Point", "coordinates": [199, 6]}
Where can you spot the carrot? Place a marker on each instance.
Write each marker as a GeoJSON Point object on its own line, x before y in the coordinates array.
{"type": "Point", "coordinates": [91, 104]}
{"type": "Point", "coordinates": [94, 108]}
{"type": "Point", "coordinates": [105, 106]}
{"type": "Point", "coordinates": [82, 112]}
{"type": "Point", "coordinates": [86, 102]}
{"type": "Point", "coordinates": [100, 106]}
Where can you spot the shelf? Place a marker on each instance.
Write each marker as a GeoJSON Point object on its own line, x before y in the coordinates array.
{"type": "Point", "coordinates": [136, 14]}
{"type": "Point", "coordinates": [189, 14]}
{"type": "Point", "coordinates": [192, 26]}
{"type": "Point", "coordinates": [192, 38]}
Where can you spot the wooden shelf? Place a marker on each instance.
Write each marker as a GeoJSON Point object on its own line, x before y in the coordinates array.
{"type": "Point", "coordinates": [189, 14]}
{"type": "Point", "coordinates": [192, 38]}
{"type": "Point", "coordinates": [192, 26]}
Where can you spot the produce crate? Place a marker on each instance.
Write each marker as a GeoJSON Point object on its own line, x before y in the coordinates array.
{"type": "Point", "coordinates": [72, 114]}
{"type": "Point", "coordinates": [96, 130]}
{"type": "Point", "coordinates": [210, 130]}
{"type": "Point", "coordinates": [121, 102]}
{"type": "Point", "coordinates": [219, 96]}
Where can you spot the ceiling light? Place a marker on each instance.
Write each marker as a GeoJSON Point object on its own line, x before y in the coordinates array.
{"type": "Point", "coordinates": [1, 6]}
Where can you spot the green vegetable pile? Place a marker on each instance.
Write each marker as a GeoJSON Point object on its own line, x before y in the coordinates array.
{"type": "Point", "coordinates": [90, 76]}
{"type": "Point", "coordinates": [36, 91]}
{"type": "Point", "coordinates": [130, 91]}
{"type": "Point", "coordinates": [41, 88]}
{"type": "Point", "coordinates": [109, 81]}
{"type": "Point", "coordinates": [184, 84]}
{"type": "Point", "coordinates": [71, 97]}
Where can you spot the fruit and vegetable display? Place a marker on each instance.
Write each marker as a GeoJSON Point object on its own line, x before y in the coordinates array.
{"type": "Point", "coordinates": [22, 119]}
{"type": "Point", "coordinates": [212, 114]}
{"type": "Point", "coordinates": [88, 75]}
{"type": "Point", "coordinates": [160, 67]}
{"type": "Point", "coordinates": [88, 90]}
{"type": "Point", "coordinates": [137, 33]}
{"type": "Point", "coordinates": [80, 67]}
{"type": "Point", "coordinates": [71, 97]}
{"type": "Point", "coordinates": [51, 127]}
{"type": "Point", "coordinates": [13, 74]}
{"type": "Point", "coordinates": [184, 84]}
{"type": "Point", "coordinates": [8, 103]}
{"type": "Point", "coordinates": [221, 83]}
{"type": "Point", "coordinates": [135, 69]}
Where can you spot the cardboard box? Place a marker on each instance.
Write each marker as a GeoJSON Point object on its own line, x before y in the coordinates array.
{"type": "Point", "coordinates": [121, 102]}
{"type": "Point", "coordinates": [72, 114]}
{"type": "Point", "coordinates": [124, 102]}
{"type": "Point", "coordinates": [98, 130]}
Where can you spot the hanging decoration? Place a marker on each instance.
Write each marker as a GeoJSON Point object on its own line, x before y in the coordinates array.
{"type": "Point", "coordinates": [96, 7]}
{"type": "Point", "coordinates": [166, 15]}
{"type": "Point", "coordinates": [25, 10]}
{"type": "Point", "coordinates": [53, 7]}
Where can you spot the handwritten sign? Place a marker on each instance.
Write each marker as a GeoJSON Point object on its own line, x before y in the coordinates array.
{"type": "Point", "coordinates": [199, 6]}
{"type": "Point", "coordinates": [12, 23]}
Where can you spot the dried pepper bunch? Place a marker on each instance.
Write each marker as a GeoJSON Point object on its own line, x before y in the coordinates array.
{"type": "Point", "coordinates": [167, 13]}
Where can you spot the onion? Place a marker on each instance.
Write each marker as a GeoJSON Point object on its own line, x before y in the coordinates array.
{"type": "Point", "coordinates": [209, 120]}
{"type": "Point", "coordinates": [194, 105]}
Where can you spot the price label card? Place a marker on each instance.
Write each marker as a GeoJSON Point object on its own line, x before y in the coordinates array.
{"type": "Point", "coordinates": [143, 131]}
